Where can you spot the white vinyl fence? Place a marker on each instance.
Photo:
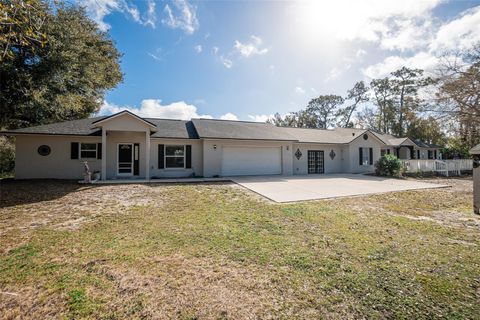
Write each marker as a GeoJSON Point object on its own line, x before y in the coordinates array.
{"type": "Point", "coordinates": [443, 167]}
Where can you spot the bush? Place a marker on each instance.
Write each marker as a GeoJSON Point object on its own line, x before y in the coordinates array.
{"type": "Point", "coordinates": [388, 165]}
{"type": "Point", "coordinates": [7, 157]}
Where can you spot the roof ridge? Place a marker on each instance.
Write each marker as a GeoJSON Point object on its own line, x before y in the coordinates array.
{"type": "Point", "coordinates": [226, 120]}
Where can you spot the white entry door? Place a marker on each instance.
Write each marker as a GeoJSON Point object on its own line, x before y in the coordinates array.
{"type": "Point", "coordinates": [125, 159]}
{"type": "Point", "coordinates": [243, 161]}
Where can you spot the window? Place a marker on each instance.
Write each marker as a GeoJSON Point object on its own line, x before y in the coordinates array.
{"type": "Point", "coordinates": [365, 156]}
{"type": "Point", "coordinates": [174, 156]}
{"type": "Point", "coordinates": [44, 150]}
{"type": "Point", "coordinates": [88, 150]}
{"type": "Point", "coordinates": [384, 152]}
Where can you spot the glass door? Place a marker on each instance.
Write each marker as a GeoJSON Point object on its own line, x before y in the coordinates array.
{"type": "Point", "coordinates": [125, 159]}
{"type": "Point", "coordinates": [315, 161]}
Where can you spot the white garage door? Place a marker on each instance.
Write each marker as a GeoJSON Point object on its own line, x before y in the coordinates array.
{"type": "Point", "coordinates": [242, 161]}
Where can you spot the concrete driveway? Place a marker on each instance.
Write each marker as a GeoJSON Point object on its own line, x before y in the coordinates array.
{"type": "Point", "coordinates": [311, 187]}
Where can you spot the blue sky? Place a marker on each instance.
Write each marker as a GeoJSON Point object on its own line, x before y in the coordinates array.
{"type": "Point", "coordinates": [249, 59]}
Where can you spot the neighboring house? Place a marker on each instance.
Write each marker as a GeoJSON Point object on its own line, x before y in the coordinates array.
{"type": "Point", "coordinates": [124, 145]}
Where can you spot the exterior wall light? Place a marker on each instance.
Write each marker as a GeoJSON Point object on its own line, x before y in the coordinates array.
{"type": "Point", "coordinates": [215, 146]}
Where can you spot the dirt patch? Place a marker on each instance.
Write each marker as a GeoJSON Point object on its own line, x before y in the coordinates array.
{"type": "Point", "coordinates": [37, 303]}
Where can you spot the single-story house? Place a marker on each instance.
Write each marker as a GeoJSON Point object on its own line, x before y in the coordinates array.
{"type": "Point", "coordinates": [125, 145]}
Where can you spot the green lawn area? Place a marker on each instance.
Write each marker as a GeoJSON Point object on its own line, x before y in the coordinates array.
{"type": "Point", "coordinates": [218, 251]}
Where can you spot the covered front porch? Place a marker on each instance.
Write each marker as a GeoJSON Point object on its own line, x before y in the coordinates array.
{"type": "Point", "coordinates": [125, 147]}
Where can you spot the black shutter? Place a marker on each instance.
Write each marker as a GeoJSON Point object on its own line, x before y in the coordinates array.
{"type": "Point", "coordinates": [161, 162]}
{"type": "Point", "coordinates": [188, 155]}
{"type": "Point", "coordinates": [136, 159]}
{"type": "Point", "coordinates": [74, 150]}
{"type": "Point", "coordinates": [435, 154]}
{"type": "Point", "coordinates": [99, 150]}
{"type": "Point", "coordinates": [388, 151]}
{"type": "Point", "coordinates": [371, 156]}
{"type": "Point", "coordinates": [360, 156]}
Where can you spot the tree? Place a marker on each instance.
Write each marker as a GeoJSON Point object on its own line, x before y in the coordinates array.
{"type": "Point", "coordinates": [383, 97]}
{"type": "Point", "coordinates": [21, 26]}
{"type": "Point", "coordinates": [64, 79]}
{"type": "Point", "coordinates": [358, 95]}
{"type": "Point", "coordinates": [458, 96]}
{"type": "Point", "coordinates": [425, 129]}
{"type": "Point", "coordinates": [406, 83]}
{"type": "Point", "coordinates": [324, 109]}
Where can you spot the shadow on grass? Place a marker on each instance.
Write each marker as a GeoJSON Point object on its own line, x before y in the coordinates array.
{"type": "Point", "coordinates": [19, 192]}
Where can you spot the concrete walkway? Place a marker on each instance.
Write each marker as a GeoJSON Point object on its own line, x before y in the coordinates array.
{"type": "Point", "coordinates": [311, 187]}
{"type": "Point", "coordinates": [165, 180]}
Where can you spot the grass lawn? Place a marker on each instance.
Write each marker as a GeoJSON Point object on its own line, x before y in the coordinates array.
{"type": "Point", "coordinates": [217, 251]}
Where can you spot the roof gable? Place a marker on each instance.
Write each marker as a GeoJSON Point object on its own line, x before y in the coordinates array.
{"type": "Point", "coordinates": [124, 113]}
{"type": "Point", "coordinates": [475, 150]}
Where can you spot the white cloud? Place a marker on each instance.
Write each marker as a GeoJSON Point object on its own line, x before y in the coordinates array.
{"type": "Point", "coordinates": [153, 108]}
{"type": "Point", "coordinates": [260, 117]}
{"type": "Point", "coordinates": [229, 116]}
{"type": "Point", "coordinates": [360, 53]}
{"type": "Point", "coordinates": [250, 48]}
{"type": "Point", "coordinates": [151, 18]}
{"type": "Point", "coordinates": [299, 90]}
{"type": "Point", "coordinates": [99, 9]}
{"type": "Point", "coordinates": [460, 33]}
{"type": "Point", "coordinates": [226, 62]}
{"type": "Point", "coordinates": [350, 20]}
{"type": "Point", "coordinates": [158, 55]}
{"type": "Point", "coordinates": [407, 34]}
{"type": "Point", "coordinates": [215, 50]}
{"type": "Point", "coordinates": [336, 72]}
{"type": "Point", "coordinates": [181, 15]}
{"type": "Point", "coordinates": [198, 48]}
{"type": "Point", "coordinates": [421, 60]}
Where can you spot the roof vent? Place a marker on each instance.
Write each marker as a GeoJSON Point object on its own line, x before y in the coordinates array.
{"type": "Point", "coordinates": [353, 134]}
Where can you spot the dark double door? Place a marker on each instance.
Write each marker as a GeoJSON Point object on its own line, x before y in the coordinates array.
{"type": "Point", "coordinates": [316, 161]}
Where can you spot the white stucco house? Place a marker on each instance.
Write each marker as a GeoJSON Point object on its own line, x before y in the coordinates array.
{"type": "Point", "coordinates": [124, 145]}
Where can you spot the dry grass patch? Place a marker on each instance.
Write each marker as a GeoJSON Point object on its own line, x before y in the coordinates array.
{"type": "Point", "coordinates": [214, 251]}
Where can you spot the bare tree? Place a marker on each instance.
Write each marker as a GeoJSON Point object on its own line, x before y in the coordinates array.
{"type": "Point", "coordinates": [358, 95]}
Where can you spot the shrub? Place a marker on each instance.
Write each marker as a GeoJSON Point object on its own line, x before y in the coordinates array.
{"type": "Point", "coordinates": [7, 157]}
{"type": "Point", "coordinates": [388, 165]}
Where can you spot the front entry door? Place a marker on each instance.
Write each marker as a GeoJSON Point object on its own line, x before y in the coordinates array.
{"type": "Point", "coordinates": [315, 161]}
{"type": "Point", "coordinates": [125, 159]}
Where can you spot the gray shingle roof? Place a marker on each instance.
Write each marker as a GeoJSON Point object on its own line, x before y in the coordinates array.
{"type": "Point", "coordinates": [327, 136]}
{"type": "Point", "coordinates": [422, 144]}
{"type": "Point", "coordinates": [221, 129]}
{"type": "Point", "coordinates": [244, 130]}
{"type": "Point", "coordinates": [173, 129]}
{"type": "Point", "coordinates": [86, 127]}
{"type": "Point", "coordinates": [81, 127]}
{"type": "Point", "coordinates": [476, 149]}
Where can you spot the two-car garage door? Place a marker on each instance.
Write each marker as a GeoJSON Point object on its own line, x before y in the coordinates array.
{"type": "Point", "coordinates": [240, 161]}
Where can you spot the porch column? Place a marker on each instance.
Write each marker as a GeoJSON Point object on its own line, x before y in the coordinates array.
{"type": "Point", "coordinates": [104, 154]}
{"type": "Point", "coordinates": [147, 154]}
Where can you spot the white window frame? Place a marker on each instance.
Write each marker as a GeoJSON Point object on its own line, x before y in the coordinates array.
{"type": "Point", "coordinates": [165, 156]}
{"type": "Point", "coordinates": [80, 150]}
{"type": "Point", "coordinates": [365, 156]}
